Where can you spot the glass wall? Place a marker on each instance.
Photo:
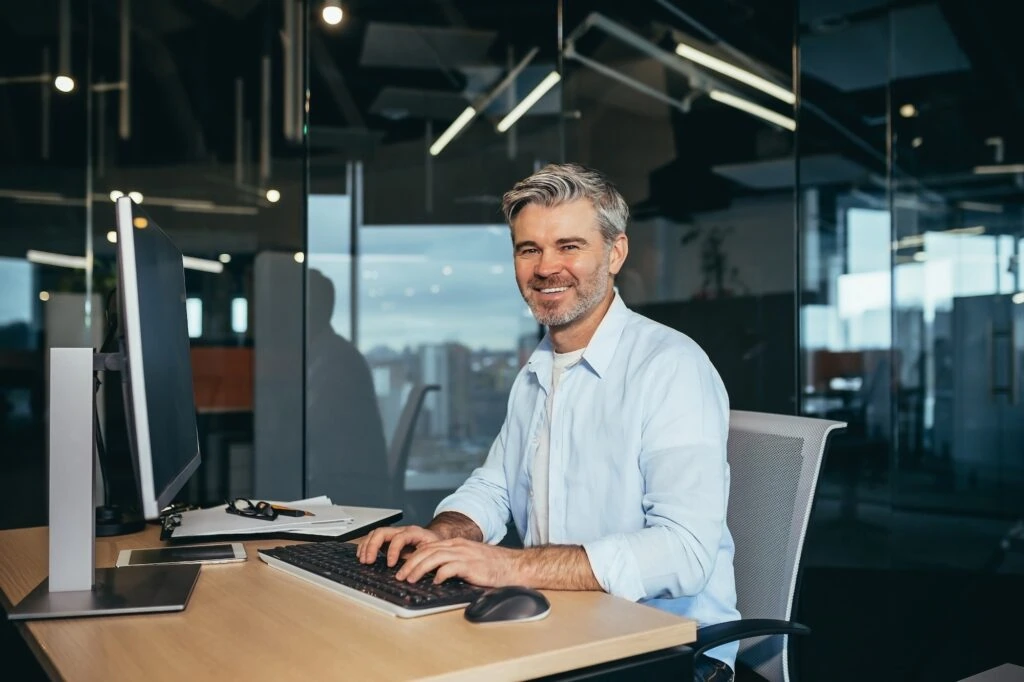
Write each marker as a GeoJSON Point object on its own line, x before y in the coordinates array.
{"type": "Point", "coordinates": [427, 329]}
{"type": "Point", "coordinates": [161, 108]}
{"type": "Point", "coordinates": [910, 235]}
{"type": "Point", "coordinates": [826, 196]}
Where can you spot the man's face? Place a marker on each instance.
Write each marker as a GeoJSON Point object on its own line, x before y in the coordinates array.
{"type": "Point", "coordinates": [563, 266]}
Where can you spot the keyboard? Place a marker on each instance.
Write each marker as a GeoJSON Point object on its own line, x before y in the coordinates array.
{"type": "Point", "coordinates": [334, 565]}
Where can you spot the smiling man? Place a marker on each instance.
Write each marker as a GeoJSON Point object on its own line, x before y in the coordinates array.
{"type": "Point", "coordinates": [612, 458]}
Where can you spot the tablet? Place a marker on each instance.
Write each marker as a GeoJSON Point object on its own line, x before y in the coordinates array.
{"type": "Point", "coordinates": [185, 554]}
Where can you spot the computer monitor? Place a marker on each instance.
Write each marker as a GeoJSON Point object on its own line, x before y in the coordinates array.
{"type": "Point", "coordinates": [154, 360]}
{"type": "Point", "coordinates": [159, 398]}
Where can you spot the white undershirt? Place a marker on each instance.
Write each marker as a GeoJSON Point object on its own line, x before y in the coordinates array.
{"type": "Point", "coordinates": [541, 460]}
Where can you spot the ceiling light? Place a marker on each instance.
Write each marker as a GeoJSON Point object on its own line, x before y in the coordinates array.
{"type": "Point", "coordinates": [140, 222]}
{"type": "Point", "coordinates": [64, 83]}
{"type": "Point", "coordinates": [528, 101]}
{"type": "Point", "coordinates": [273, 196]}
{"type": "Point", "coordinates": [908, 111]}
{"type": "Point", "coordinates": [454, 129]}
{"type": "Point", "coordinates": [116, 194]}
{"type": "Point", "coordinates": [58, 259]}
{"type": "Point", "coordinates": [751, 108]}
{"type": "Point", "coordinates": [999, 169]}
{"type": "Point", "coordinates": [202, 264]}
{"type": "Point", "coordinates": [332, 13]}
{"type": "Point", "coordinates": [917, 142]}
{"type": "Point", "coordinates": [44, 296]}
{"type": "Point", "coordinates": [742, 75]}
{"type": "Point", "coordinates": [300, 257]}
{"type": "Point", "coordinates": [224, 258]}
{"type": "Point", "coordinates": [981, 206]}
{"type": "Point", "coordinates": [112, 237]}
{"type": "Point", "coordinates": [136, 197]}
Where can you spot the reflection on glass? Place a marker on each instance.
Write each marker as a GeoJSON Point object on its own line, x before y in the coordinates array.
{"type": "Point", "coordinates": [194, 312]}
{"type": "Point", "coordinates": [16, 304]}
{"type": "Point", "coordinates": [437, 304]}
{"type": "Point", "coordinates": [239, 315]}
{"type": "Point", "coordinates": [346, 452]}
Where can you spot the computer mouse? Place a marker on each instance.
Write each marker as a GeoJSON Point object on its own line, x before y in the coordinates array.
{"type": "Point", "coordinates": [511, 603]}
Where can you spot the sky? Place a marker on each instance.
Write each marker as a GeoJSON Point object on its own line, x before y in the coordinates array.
{"type": "Point", "coordinates": [421, 283]}
{"type": "Point", "coordinates": [16, 294]}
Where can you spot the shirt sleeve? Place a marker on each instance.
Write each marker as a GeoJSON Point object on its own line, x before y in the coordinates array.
{"type": "Point", "coordinates": [685, 474]}
{"type": "Point", "coordinates": [484, 497]}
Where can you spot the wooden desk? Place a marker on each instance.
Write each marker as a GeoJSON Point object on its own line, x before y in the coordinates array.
{"type": "Point", "coordinates": [250, 622]}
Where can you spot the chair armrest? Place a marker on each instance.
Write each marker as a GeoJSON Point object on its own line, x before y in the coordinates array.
{"type": "Point", "coordinates": [711, 636]}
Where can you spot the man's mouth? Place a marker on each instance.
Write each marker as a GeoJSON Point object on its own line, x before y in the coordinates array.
{"type": "Point", "coordinates": [553, 290]}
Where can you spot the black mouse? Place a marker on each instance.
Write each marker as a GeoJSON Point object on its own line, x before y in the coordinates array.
{"type": "Point", "coordinates": [512, 603]}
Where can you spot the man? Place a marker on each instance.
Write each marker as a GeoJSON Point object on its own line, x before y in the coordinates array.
{"type": "Point", "coordinates": [611, 461]}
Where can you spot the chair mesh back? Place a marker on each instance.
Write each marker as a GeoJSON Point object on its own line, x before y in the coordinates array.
{"type": "Point", "coordinates": [768, 483]}
{"type": "Point", "coordinates": [774, 462]}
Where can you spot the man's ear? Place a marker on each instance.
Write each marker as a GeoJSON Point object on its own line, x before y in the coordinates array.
{"type": "Point", "coordinates": [617, 253]}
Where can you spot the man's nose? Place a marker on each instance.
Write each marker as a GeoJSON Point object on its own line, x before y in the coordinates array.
{"type": "Point", "coordinates": [548, 264]}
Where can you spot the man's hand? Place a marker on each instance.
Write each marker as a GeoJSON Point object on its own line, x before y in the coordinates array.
{"type": "Point", "coordinates": [398, 537]}
{"type": "Point", "coordinates": [475, 562]}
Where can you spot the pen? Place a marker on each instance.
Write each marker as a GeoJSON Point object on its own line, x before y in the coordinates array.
{"type": "Point", "coordinates": [286, 511]}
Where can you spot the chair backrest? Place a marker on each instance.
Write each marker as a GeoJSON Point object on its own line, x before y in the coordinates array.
{"type": "Point", "coordinates": [774, 462]}
{"type": "Point", "coordinates": [401, 441]}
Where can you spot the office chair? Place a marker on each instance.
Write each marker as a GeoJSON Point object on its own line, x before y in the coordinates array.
{"type": "Point", "coordinates": [774, 462]}
{"type": "Point", "coordinates": [401, 441]}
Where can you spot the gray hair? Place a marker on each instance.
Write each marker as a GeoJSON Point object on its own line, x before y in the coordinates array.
{"type": "Point", "coordinates": [557, 184]}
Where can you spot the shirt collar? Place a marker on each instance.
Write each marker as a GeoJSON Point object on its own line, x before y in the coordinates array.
{"type": "Point", "coordinates": [599, 352]}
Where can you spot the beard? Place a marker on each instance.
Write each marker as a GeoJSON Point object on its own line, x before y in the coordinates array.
{"type": "Point", "coordinates": [588, 294]}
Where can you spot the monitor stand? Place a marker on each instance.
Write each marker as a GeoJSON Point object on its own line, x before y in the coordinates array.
{"type": "Point", "coordinates": [111, 520]}
{"type": "Point", "coordinates": [75, 587]}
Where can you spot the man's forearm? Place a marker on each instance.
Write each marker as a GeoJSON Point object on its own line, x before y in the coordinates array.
{"type": "Point", "coordinates": [557, 567]}
{"type": "Point", "coordinates": [455, 525]}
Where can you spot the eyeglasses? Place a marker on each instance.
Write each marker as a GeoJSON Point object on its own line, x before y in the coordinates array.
{"type": "Point", "coordinates": [246, 507]}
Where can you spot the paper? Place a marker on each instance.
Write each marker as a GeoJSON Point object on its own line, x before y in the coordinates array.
{"type": "Point", "coordinates": [327, 519]}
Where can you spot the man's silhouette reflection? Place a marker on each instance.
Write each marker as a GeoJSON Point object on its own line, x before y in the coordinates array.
{"type": "Point", "coordinates": [346, 453]}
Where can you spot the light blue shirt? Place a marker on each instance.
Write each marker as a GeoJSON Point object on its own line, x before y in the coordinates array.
{"type": "Point", "coordinates": [638, 472]}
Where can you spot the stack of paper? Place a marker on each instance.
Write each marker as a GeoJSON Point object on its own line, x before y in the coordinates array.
{"type": "Point", "coordinates": [327, 520]}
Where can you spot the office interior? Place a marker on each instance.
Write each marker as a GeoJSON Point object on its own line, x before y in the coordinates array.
{"type": "Point", "coordinates": [837, 220]}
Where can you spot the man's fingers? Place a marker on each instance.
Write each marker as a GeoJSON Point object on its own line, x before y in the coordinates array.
{"type": "Point", "coordinates": [451, 569]}
{"type": "Point", "coordinates": [371, 544]}
{"type": "Point", "coordinates": [425, 561]}
{"type": "Point", "coordinates": [398, 543]}
{"type": "Point", "coordinates": [418, 563]}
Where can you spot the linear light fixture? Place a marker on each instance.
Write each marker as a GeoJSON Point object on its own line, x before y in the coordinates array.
{"type": "Point", "coordinates": [751, 108]}
{"type": "Point", "coordinates": [980, 206]}
{"type": "Point", "coordinates": [58, 259]}
{"type": "Point", "coordinates": [214, 266]}
{"type": "Point", "coordinates": [481, 103]}
{"type": "Point", "coordinates": [999, 169]}
{"type": "Point", "coordinates": [732, 71]}
{"type": "Point", "coordinates": [528, 101]}
{"type": "Point", "coordinates": [454, 129]}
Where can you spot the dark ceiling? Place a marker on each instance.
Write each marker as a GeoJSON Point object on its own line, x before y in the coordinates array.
{"type": "Point", "coordinates": [373, 87]}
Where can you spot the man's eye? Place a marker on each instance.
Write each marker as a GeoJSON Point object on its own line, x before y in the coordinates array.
{"type": "Point", "coordinates": [570, 246]}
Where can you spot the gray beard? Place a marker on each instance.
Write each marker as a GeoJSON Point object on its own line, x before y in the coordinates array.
{"type": "Point", "coordinates": [584, 304]}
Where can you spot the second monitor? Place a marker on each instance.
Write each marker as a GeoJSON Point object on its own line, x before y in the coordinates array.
{"type": "Point", "coordinates": [160, 413]}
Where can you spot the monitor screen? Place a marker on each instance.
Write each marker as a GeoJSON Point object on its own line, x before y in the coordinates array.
{"type": "Point", "coordinates": [159, 400]}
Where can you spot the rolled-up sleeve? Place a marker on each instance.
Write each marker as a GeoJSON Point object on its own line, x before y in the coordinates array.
{"type": "Point", "coordinates": [484, 496]}
{"type": "Point", "coordinates": [683, 463]}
